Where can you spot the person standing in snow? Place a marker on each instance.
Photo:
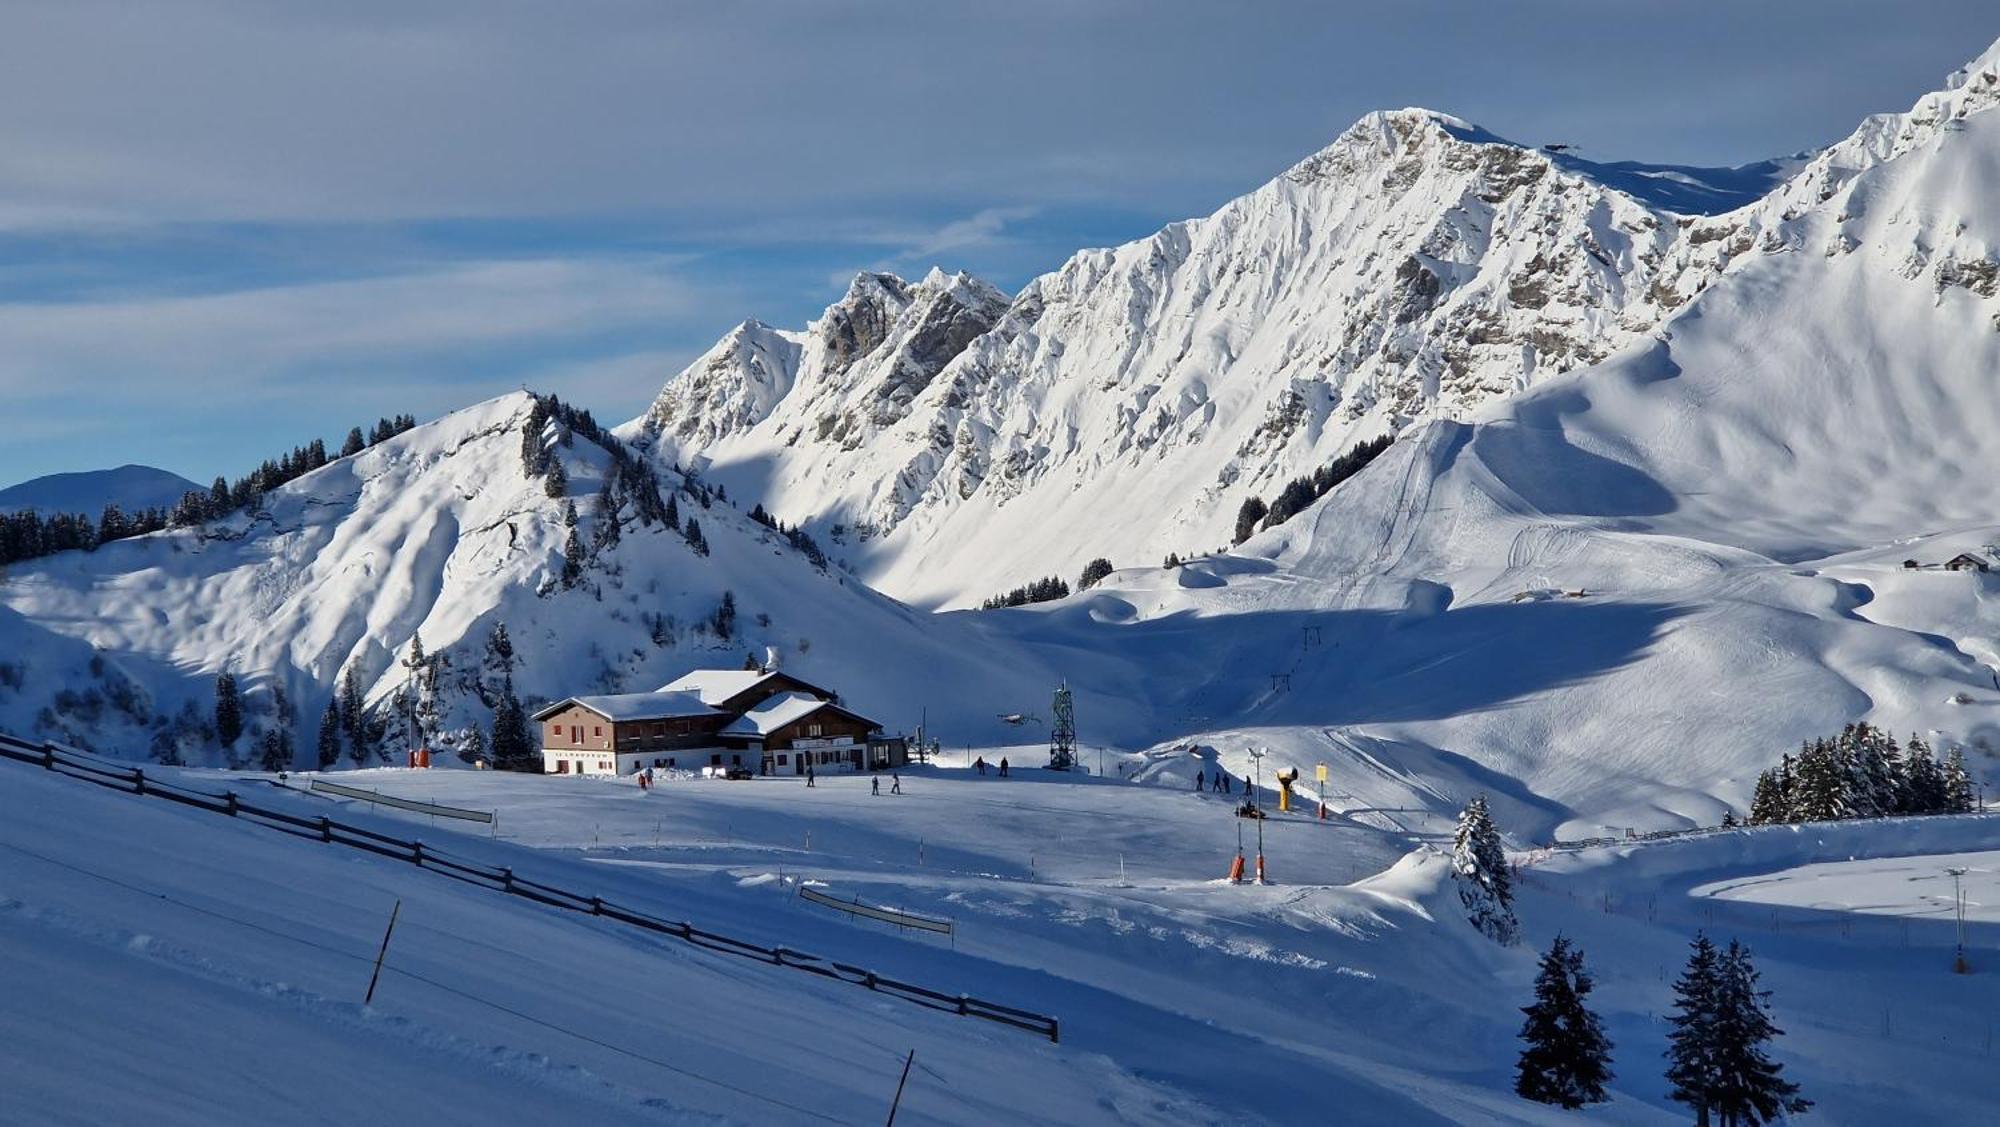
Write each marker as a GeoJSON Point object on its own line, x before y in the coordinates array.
{"type": "Point", "coordinates": [809, 774]}
{"type": "Point", "coordinates": [1200, 781]}
{"type": "Point", "coordinates": [980, 765]}
{"type": "Point", "coordinates": [1003, 766]}
{"type": "Point", "coordinates": [895, 783]}
{"type": "Point", "coordinates": [875, 785]}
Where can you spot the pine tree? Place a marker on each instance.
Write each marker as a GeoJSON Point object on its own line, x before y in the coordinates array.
{"type": "Point", "coordinates": [511, 744]}
{"type": "Point", "coordinates": [228, 710]}
{"type": "Point", "coordinates": [355, 444]}
{"type": "Point", "coordinates": [1749, 1088]}
{"type": "Point", "coordinates": [472, 748]}
{"type": "Point", "coordinates": [275, 750]}
{"type": "Point", "coordinates": [354, 716]}
{"type": "Point", "coordinates": [1820, 792]}
{"type": "Point", "coordinates": [1093, 573]}
{"type": "Point", "coordinates": [328, 747]}
{"type": "Point", "coordinates": [1253, 510]}
{"type": "Point", "coordinates": [1767, 802]}
{"type": "Point", "coordinates": [1691, 1045]}
{"type": "Point", "coordinates": [1480, 865]}
{"type": "Point", "coordinates": [496, 667]}
{"type": "Point", "coordinates": [724, 620]}
{"type": "Point", "coordinates": [1924, 785]}
{"type": "Point", "coordinates": [1958, 795]}
{"type": "Point", "coordinates": [694, 537]}
{"type": "Point", "coordinates": [1568, 1058]}
{"type": "Point", "coordinates": [556, 483]}
{"type": "Point", "coordinates": [673, 518]}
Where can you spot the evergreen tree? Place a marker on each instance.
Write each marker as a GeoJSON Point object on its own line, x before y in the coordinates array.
{"type": "Point", "coordinates": [328, 747]}
{"type": "Point", "coordinates": [355, 444]}
{"type": "Point", "coordinates": [1749, 1088]}
{"type": "Point", "coordinates": [472, 748]}
{"type": "Point", "coordinates": [1253, 510]}
{"type": "Point", "coordinates": [1924, 785]}
{"type": "Point", "coordinates": [496, 668]}
{"type": "Point", "coordinates": [1692, 1067]}
{"type": "Point", "coordinates": [275, 750]}
{"type": "Point", "coordinates": [354, 717]}
{"type": "Point", "coordinates": [694, 537]}
{"type": "Point", "coordinates": [1568, 1058]}
{"type": "Point", "coordinates": [724, 619]}
{"type": "Point", "coordinates": [228, 710]}
{"type": "Point", "coordinates": [1820, 792]}
{"type": "Point", "coordinates": [511, 743]}
{"type": "Point", "coordinates": [556, 483]}
{"type": "Point", "coordinates": [1767, 801]}
{"type": "Point", "coordinates": [1958, 793]}
{"type": "Point", "coordinates": [1480, 865]}
{"type": "Point", "coordinates": [1093, 573]}
{"type": "Point", "coordinates": [606, 532]}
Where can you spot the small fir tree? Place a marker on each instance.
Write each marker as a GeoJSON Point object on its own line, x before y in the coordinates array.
{"type": "Point", "coordinates": [275, 750]}
{"type": "Point", "coordinates": [1958, 792]}
{"type": "Point", "coordinates": [556, 483]}
{"type": "Point", "coordinates": [1750, 1088]}
{"type": "Point", "coordinates": [355, 444]}
{"type": "Point", "coordinates": [1692, 1068]}
{"type": "Point", "coordinates": [1253, 510]}
{"type": "Point", "coordinates": [328, 745]}
{"type": "Point", "coordinates": [228, 710]}
{"type": "Point", "coordinates": [1479, 863]}
{"type": "Point", "coordinates": [1567, 1060]}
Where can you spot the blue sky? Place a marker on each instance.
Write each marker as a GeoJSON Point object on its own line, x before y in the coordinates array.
{"type": "Point", "coordinates": [228, 227]}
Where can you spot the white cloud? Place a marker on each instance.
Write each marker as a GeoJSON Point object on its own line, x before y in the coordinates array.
{"type": "Point", "coordinates": [259, 341]}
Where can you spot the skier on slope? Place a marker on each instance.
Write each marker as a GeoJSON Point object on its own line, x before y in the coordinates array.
{"type": "Point", "coordinates": [980, 765]}
{"type": "Point", "coordinates": [1200, 781]}
{"type": "Point", "coordinates": [1003, 766]}
{"type": "Point", "coordinates": [895, 783]}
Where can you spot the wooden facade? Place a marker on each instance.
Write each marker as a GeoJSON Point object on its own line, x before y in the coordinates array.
{"type": "Point", "coordinates": [768, 722]}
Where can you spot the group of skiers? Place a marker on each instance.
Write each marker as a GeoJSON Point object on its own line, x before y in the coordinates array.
{"type": "Point", "coordinates": [895, 784]}
{"type": "Point", "coordinates": [979, 765]}
{"type": "Point", "coordinates": [1222, 784]}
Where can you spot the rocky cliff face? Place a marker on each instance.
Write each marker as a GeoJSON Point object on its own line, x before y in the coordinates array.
{"type": "Point", "coordinates": [1125, 404]}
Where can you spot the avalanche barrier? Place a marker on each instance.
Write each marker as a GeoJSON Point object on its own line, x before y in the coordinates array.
{"type": "Point", "coordinates": [84, 767]}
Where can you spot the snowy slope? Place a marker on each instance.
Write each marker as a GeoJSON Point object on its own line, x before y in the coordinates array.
{"type": "Point", "coordinates": [131, 487]}
{"type": "Point", "coordinates": [1354, 984]}
{"type": "Point", "coordinates": [439, 533]}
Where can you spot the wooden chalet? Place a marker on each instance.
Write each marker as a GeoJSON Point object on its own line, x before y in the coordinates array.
{"type": "Point", "coordinates": [765, 720]}
{"type": "Point", "coordinates": [1966, 561]}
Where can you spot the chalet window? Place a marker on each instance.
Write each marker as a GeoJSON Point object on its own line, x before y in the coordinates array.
{"type": "Point", "coordinates": [782, 761]}
{"type": "Point", "coordinates": [659, 763]}
{"type": "Point", "coordinates": [715, 760]}
{"type": "Point", "coordinates": [597, 730]}
{"type": "Point", "coordinates": [670, 761]}
{"type": "Point", "coordinates": [812, 729]}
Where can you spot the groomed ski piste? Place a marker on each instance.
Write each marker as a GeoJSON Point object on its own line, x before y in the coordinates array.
{"type": "Point", "coordinates": [175, 966]}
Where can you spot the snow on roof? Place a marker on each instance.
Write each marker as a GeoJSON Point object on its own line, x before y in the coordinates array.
{"type": "Point", "coordinates": [717, 685]}
{"type": "Point", "coordinates": [637, 706]}
{"type": "Point", "coordinates": [774, 713]}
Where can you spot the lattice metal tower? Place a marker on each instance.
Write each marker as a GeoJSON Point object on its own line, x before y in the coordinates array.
{"type": "Point", "coordinates": [1062, 732]}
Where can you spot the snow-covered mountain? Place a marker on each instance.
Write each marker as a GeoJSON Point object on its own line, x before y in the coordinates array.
{"type": "Point", "coordinates": [1127, 403]}
{"type": "Point", "coordinates": [131, 487]}
{"type": "Point", "coordinates": [1626, 590]}
{"type": "Point", "coordinates": [440, 533]}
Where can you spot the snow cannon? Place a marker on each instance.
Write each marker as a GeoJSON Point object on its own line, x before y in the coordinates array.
{"type": "Point", "coordinates": [1285, 781]}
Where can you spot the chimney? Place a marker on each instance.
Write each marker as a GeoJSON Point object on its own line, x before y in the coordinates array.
{"type": "Point", "coordinates": [770, 659]}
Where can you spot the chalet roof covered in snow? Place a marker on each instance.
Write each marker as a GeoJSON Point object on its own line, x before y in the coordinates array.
{"type": "Point", "coordinates": [635, 706]}
{"type": "Point", "coordinates": [775, 712]}
{"type": "Point", "coordinates": [718, 686]}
